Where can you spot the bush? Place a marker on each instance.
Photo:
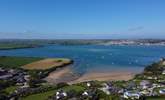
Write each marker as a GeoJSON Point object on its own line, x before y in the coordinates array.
{"type": "Point", "coordinates": [3, 96]}
{"type": "Point", "coordinates": [5, 83]}
{"type": "Point", "coordinates": [60, 85]}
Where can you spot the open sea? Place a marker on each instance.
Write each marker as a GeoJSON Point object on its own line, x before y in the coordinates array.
{"type": "Point", "coordinates": [97, 57]}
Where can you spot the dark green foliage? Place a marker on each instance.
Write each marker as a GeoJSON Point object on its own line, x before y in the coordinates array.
{"type": "Point", "coordinates": [156, 98]}
{"type": "Point", "coordinates": [153, 69]}
{"type": "Point", "coordinates": [3, 95]}
{"type": "Point", "coordinates": [60, 85]}
{"type": "Point", "coordinates": [5, 83]}
{"type": "Point", "coordinates": [16, 62]}
{"type": "Point", "coordinates": [14, 45]}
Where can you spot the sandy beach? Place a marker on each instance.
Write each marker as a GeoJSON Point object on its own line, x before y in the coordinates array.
{"type": "Point", "coordinates": [61, 75]}
{"type": "Point", "coordinates": [66, 75]}
{"type": "Point", "coordinates": [108, 76]}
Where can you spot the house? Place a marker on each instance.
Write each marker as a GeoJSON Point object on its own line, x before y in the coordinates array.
{"type": "Point", "coordinates": [5, 75]}
{"type": "Point", "coordinates": [162, 59]}
{"type": "Point", "coordinates": [162, 91]}
{"type": "Point", "coordinates": [131, 85]}
{"type": "Point", "coordinates": [145, 92]}
{"type": "Point", "coordinates": [106, 88]}
{"type": "Point", "coordinates": [89, 93]}
{"type": "Point", "coordinates": [22, 90]}
{"type": "Point", "coordinates": [121, 91]}
{"type": "Point", "coordinates": [109, 88]}
{"type": "Point", "coordinates": [88, 84]}
{"type": "Point", "coordinates": [144, 84]}
{"type": "Point", "coordinates": [27, 77]}
{"type": "Point", "coordinates": [60, 95]}
{"type": "Point", "coordinates": [152, 78]}
{"type": "Point", "coordinates": [157, 85]}
{"type": "Point", "coordinates": [20, 81]}
{"type": "Point", "coordinates": [2, 70]}
{"type": "Point", "coordinates": [131, 95]}
{"type": "Point", "coordinates": [21, 77]}
{"type": "Point", "coordinates": [163, 73]}
{"type": "Point", "coordinates": [85, 93]}
{"type": "Point", "coordinates": [25, 85]}
{"type": "Point", "coordinates": [12, 71]}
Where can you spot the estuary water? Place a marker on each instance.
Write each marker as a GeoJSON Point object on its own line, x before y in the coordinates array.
{"type": "Point", "coordinates": [97, 57]}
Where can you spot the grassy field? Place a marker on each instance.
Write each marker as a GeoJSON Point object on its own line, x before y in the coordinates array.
{"type": "Point", "coordinates": [32, 63]}
{"type": "Point", "coordinates": [161, 98]}
{"type": "Point", "coordinates": [40, 96]}
{"type": "Point", "coordinates": [16, 62]}
{"type": "Point", "coordinates": [8, 46]}
{"type": "Point", "coordinates": [45, 95]}
{"type": "Point", "coordinates": [47, 64]}
{"type": "Point", "coordinates": [10, 89]}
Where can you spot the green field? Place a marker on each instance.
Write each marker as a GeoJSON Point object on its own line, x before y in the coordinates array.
{"type": "Point", "coordinates": [73, 87]}
{"type": "Point", "coordinates": [40, 96]}
{"type": "Point", "coordinates": [16, 62]}
{"type": "Point", "coordinates": [8, 46]}
{"type": "Point", "coordinates": [156, 98]}
{"type": "Point", "coordinates": [10, 89]}
{"type": "Point", "coordinates": [45, 95]}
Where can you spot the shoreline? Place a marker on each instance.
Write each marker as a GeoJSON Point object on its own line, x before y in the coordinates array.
{"type": "Point", "coordinates": [107, 76]}
{"type": "Point", "coordinates": [25, 47]}
{"type": "Point", "coordinates": [64, 74]}
{"type": "Point", "coordinates": [67, 75]}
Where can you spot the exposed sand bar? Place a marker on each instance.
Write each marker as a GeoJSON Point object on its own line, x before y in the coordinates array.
{"type": "Point", "coordinates": [66, 75]}
{"type": "Point", "coordinates": [61, 75]}
{"type": "Point", "coordinates": [106, 76]}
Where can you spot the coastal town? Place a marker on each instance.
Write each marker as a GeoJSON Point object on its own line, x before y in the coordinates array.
{"type": "Point", "coordinates": [19, 83]}
{"type": "Point", "coordinates": [134, 42]}
{"type": "Point", "coordinates": [35, 43]}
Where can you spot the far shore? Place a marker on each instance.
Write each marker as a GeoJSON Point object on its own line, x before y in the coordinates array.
{"type": "Point", "coordinates": [19, 47]}
{"type": "Point", "coordinates": [66, 75]}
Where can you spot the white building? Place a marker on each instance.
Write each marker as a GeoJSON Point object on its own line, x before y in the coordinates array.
{"type": "Point", "coordinates": [162, 91]}
{"type": "Point", "coordinates": [163, 72]}
{"type": "Point", "coordinates": [105, 89]}
{"type": "Point", "coordinates": [131, 95]}
{"type": "Point", "coordinates": [145, 84]}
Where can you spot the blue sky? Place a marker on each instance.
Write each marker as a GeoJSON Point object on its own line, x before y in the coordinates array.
{"type": "Point", "coordinates": [82, 19]}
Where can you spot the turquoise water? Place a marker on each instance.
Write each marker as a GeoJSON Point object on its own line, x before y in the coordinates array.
{"type": "Point", "coordinates": [97, 57]}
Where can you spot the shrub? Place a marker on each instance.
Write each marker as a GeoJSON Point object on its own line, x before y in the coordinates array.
{"type": "Point", "coordinates": [60, 85]}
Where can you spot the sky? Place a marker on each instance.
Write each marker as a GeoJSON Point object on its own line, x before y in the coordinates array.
{"type": "Point", "coordinates": [76, 19]}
